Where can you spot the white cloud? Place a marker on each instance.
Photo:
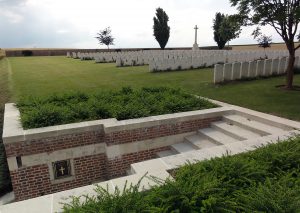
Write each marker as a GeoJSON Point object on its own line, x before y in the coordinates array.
{"type": "Point", "coordinates": [11, 16]}
{"type": "Point", "coordinates": [74, 23]}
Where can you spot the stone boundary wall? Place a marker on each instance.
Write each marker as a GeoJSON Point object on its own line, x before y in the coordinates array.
{"type": "Point", "coordinates": [252, 69]}
{"type": "Point", "coordinates": [63, 52]}
{"type": "Point", "coordinates": [95, 150]}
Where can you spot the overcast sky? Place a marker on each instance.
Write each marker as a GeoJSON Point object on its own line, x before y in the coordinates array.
{"type": "Point", "coordinates": [74, 23]}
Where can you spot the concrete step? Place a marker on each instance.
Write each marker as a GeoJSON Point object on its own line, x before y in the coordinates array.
{"type": "Point", "coordinates": [182, 147]}
{"type": "Point", "coordinates": [234, 131]}
{"type": "Point", "coordinates": [166, 153]}
{"type": "Point", "coordinates": [200, 142]}
{"type": "Point", "coordinates": [149, 165]}
{"type": "Point", "coordinates": [252, 125]}
{"type": "Point", "coordinates": [267, 121]}
{"type": "Point", "coordinates": [217, 136]}
{"type": "Point", "coordinates": [129, 172]}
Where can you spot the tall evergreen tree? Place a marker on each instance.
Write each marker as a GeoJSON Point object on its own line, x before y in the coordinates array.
{"type": "Point", "coordinates": [226, 28]}
{"type": "Point", "coordinates": [161, 28]}
{"type": "Point", "coordinates": [216, 27]}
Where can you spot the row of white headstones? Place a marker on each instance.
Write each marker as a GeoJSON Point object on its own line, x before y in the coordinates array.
{"type": "Point", "coordinates": [164, 60]}
{"type": "Point", "coordinates": [252, 69]}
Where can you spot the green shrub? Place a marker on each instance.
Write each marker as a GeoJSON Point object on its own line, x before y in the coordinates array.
{"type": "Point", "coordinates": [124, 104]}
{"type": "Point", "coordinates": [27, 53]}
{"type": "Point", "coordinates": [248, 182]}
{"type": "Point", "coordinates": [5, 181]}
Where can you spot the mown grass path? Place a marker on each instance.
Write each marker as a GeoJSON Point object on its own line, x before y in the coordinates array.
{"type": "Point", "coordinates": [41, 76]}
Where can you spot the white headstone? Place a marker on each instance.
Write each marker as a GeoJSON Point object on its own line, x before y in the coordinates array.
{"type": "Point", "coordinates": [227, 72]}
{"type": "Point", "coordinates": [244, 70]}
{"type": "Point", "coordinates": [275, 65]}
{"type": "Point", "coordinates": [260, 68]}
{"type": "Point", "coordinates": [218, 73]}
{"type": "Point", "coordinates": [281, 66]}
{"type": "Point", "coordinates": [236, 71]}
{"type": "Point", "coordinates": [267, 67]}
{"type": "Point", "coordinates": [252, 69]}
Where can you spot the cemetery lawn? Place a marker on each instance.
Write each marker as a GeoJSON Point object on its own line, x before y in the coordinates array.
{"type": "Point", "coordinates": [43, 76]}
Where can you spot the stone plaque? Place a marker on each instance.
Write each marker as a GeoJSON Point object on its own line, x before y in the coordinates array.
{"type": "Point", "coordinates": [62, 169]}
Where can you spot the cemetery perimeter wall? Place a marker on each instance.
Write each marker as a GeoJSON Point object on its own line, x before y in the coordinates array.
{"type": "Point", "coordinates": [17, 52]}
{"type": "Point", "coordinates": [96, 150]}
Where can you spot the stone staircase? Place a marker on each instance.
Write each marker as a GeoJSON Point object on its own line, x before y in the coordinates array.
{"type": "Point", "coordinates": [232, 128]}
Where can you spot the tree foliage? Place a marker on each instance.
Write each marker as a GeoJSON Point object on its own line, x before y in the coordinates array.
{"type": "Point", "coordinates": [225, 29]}
{"type": "Point", "coordinates": [264, 41]}
{"type": "Point", "coordinates": [282, 15]}
{"type": "Point", "coordinates": [161, 28]}
{"type": "Point", "coordinates": [105, 38]}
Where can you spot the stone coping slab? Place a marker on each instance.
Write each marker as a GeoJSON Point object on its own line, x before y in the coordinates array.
{"type": "Point", "coordinates": [14, 132]}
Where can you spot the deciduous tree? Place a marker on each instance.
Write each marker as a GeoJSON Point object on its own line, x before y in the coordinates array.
{"type": "Point", "coordinates": [105, 37]}
{"type": "Point", "coordinates": [282, 15]}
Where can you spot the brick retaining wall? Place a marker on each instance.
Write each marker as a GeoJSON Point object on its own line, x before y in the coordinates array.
{"type": "Point", "coordinates": [103, 151]}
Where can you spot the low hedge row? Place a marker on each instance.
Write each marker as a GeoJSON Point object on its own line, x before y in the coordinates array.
{"type": "Point", "coordinates": [124, 104]}
{"type": "Point", "coordinates": [264, 180]}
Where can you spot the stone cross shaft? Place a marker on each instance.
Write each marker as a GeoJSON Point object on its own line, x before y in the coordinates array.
{"type": "Point", "coordinates": [196, 28]}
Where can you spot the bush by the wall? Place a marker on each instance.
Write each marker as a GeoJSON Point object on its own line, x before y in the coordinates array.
{"type": "Point", "coordinates": [264, 180]}
{"type": "Point", "coordinates": [5, 181]}
{"type": "Point", "coordinates": [124, 104]}
{"type": "Point", "coordinates": [27, 53]}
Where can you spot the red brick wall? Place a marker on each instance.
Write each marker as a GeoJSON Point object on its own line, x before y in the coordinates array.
{"type": "Point", "coordinates": [140, 134]}
{"type": "Point", "coordinates": [53, 144]}
{"type": "Point", "coordinates": [35, 181]}
{"type": "Point", "coordinates": [117, 167]}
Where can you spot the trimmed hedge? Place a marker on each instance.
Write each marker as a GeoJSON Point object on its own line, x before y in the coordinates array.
{"type": "Point", "coordinates": [124, 104]}
{"type": "Point", "coordinates": [264, 180]}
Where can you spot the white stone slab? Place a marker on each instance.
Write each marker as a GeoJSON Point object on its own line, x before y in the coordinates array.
{"type": "Point", "coordinates": [244, 70]}
{"type": "Point", "coordinates": [282, 65]}
{"type": "Point", "coordinates": [275, 66]}
{"type": "Point", "coordinates": [227, 72]}
{"type": "Point", "coordinates": [267, 67]}
{"type": "Point", "coordinates": [259, 68]}
{"type": "Point", "coordinates": [218, 73]}
{"type": "Point", "coordinates": [252, 69]}
{"type": "Point", "coordinates": [236, 71]}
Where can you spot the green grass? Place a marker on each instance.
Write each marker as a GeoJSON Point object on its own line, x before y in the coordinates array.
{"type": "Point", "coordinates": [124, 104]}
{"type": "Point", "coordinates": [264, 180]}
{"type": "Point", "coordinates": [5, 182]}
{"type": "Point", "coordinates": [42, 76]}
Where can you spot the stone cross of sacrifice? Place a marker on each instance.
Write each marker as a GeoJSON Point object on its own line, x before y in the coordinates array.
{"type": "Point", "coordinates": [196, 28]}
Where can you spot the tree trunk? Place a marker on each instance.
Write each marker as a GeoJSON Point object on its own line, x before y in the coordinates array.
{"type": "Point", "coordinates": [290, 70]}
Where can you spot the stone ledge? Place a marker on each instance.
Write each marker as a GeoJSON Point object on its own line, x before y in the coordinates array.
{"type": "Point", "coordinates": [13, 131]}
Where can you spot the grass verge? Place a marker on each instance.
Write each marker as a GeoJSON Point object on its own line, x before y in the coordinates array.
{"type": "Point", "coordinates": [264, 180]}
{"type": "Point", "coordinates": [5, 182]}
{"type": "Point", "coordinates": [124, 104]}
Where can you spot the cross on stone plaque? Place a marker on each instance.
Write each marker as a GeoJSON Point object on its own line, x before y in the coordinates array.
{"type": "Point", "coordinates": [62, 169]}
